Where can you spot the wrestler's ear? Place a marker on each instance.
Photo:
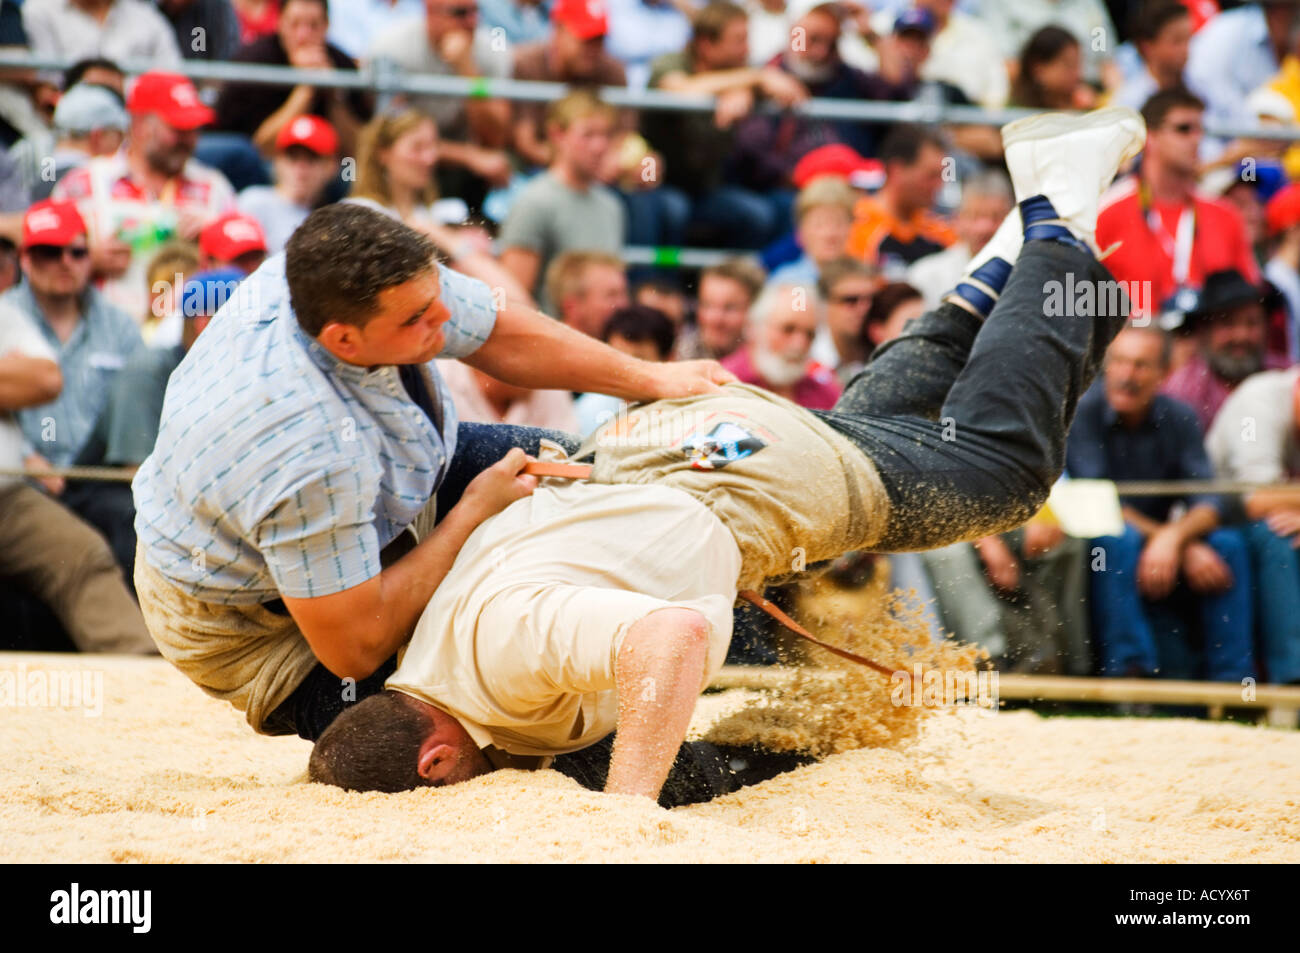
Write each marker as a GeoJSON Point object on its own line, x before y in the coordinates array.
{"type": "Point", "coordinates": [436, 760]}
{"type": "Point", "coordinates": [341, 339]}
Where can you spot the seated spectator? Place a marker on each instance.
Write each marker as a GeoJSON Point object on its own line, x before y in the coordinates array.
{"type": "Point", "coordinates": [585, 288]}
{"type": "Point", "coordinates": [521, 21]}
{"type": "Point", "coordinates": [666, 296]}
{"type": "Point", "coordinates": [892, 306]}
{"type": "Point", "coordinates": [117, 29]}
{"type": "Point", "coordinates": [1013, 22]}
{"type": "Point", "coordinates": [1145, 214]}
{"type": "Point", "coordinates": [256, 19]}
{"type": "Point", "coordinates": [1050, 73]}
{"type": "Point", "coordinates": [1166, 572]}
{"type": "Point", "coordinates": [778, 345]}
{"type": "Point", "coordinates": [695, 146]}
{"type": "Point", "coordinates": [233, 241]}
{"type": "Point", "coordinates": [964, 54]}
{"type": "Point", "coordinates": [1162, 33]}
{"type": "Point", "coordinates": [848, 287]}
{"type": "Point", "coordinates": [46, 552]}
{"type": "Point", "coordinates": [204, 29]}
{"type": "Point", "coordinates": [639, 330]}
{"type": "Point", "coordinates": [149, 191]}
{"type": "Point", "coordinates": [396, 158]}
{"type": "Point", "coordinates": [165, 276]}
{"type": "Point", "coordinates": [354, 24]}
{"type": "Point", "coordinates": [823, 214]}
{"type": "Point", "coordinates": [305, 163]}
{"type": "Point", "coordinates": [726, 293]}
{"type": "Point", "coordinates": [1256, 438]}
{"type": "Point", "coordinates": [1234, 53]}
{"type": "Point", "coordinates": [89, 121]}
{"type": "Point", "coordinates": [574, 55]}
{"type": "Point", "coordinates": [127, 428]}
{"type": "Point", "coordinates": [257, 111]}
{"type": "Point", "coordinates": [448, 40]}
{"type": "Point", "coordinates": [640, 31]}
{"type": "Point", "coordinates": [1231, 330]}
{"type": "Point", "coordinates": [481, 398]}
{"type": "Point", "coordinates": [985, 201]}
{"type": "Point", "coordinates": [566, 208]}
{"type": "Point", "coordinates": [896, 227]}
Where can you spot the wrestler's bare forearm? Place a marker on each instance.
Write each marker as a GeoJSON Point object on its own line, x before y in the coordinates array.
{"type": "Point", "coordinates": [659, 672]}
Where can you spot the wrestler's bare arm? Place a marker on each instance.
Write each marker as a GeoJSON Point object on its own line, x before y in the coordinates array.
{"type": "Point", "coordinates": [659, 673]}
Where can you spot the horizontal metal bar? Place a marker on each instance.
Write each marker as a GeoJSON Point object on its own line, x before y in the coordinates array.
{"type": "Point", "coordinates": [387, 77]}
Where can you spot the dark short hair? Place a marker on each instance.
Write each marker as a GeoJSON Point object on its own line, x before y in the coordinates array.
{"type": "Point", "coordinates": [1044, 46]}
{"type": "Point", "coordinates": [72, 75]}
{"type": "Point", "coordinates": [833, 272]}
{"type": "Point", "coordinates": [323, 4]}
{"type": "Point", "coordinates": [905, 142]}
{"type": "Point", "coordinates": [1161, 104]}
{"type": "Point", "coordinates": [640, 322]}
{"type": "Point", "coordinates": [342, 256]}
{"type": "Point", "coordinates": [1154, 16]}
{"type": "Point", "coordinates": [885, 302]}
{"type": "Point", "coordinates": [373, 745]}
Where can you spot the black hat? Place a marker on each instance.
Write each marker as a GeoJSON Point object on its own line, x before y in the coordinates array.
{"type": "Point", "coordinates": [1224, 290]}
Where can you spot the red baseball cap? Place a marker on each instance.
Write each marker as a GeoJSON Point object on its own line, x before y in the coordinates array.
{"type": "Point", "coordinates": [311, 132]}
{"type": "Point", "coordinates": [171, 96]}
{"type": "Point", "coordinates": [52, 223]}
{"type": "Point", "coordinates": [842, 161]}
{"type": "Point", "coordinates": [1283, 209]}
{"type": "Point", "coordinates": [585, 19]}
{"type": "Point", "coordinates": [231, 236]}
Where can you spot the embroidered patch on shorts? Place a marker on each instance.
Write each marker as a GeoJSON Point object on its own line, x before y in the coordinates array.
{"type": "Point", "coordinates": [725, 443]}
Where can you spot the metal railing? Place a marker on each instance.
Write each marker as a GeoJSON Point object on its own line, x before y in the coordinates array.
{"type": "Point", "coordinates": [386, 78]}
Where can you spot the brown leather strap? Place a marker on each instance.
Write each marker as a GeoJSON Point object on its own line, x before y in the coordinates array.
{"type": "Point", "coordinates": [573, 471]}
{"type": "Point", "coordinates": [581, 471]}
{"type": "Point", "coordinates": [756, 598]}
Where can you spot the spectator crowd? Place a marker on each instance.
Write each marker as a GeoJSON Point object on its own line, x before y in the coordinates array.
{"type": "Point", "coordinates": [131, 206]}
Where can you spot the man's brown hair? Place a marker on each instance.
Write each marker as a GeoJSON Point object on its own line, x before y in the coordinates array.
{"type": "Point", "coordinates": [373, 746]}
{"type": "Point", "coordinates": [1161, 104]}
{"type": "Point", "coordinates": [711, 20]}
{"type": "Point", "coordinates": [743, 271]}
{"type": "Point", "coordinates": [342, 257]}
{"type": "Point", "coordinates": [565, 273]}
{"type": "Point", "coordinates": [575, 105]}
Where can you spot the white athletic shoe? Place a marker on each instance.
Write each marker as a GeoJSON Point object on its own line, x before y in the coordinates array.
{"type": "Point", "coordinates": [1072, 159]}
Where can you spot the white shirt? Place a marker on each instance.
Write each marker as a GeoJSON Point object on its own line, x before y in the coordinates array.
{"type": "Point", "coordinates": [1253, 436]}
{"type": "Point", "coordinates": [519, 641]}
{"type": "Point", "coordinates": [133, 30]}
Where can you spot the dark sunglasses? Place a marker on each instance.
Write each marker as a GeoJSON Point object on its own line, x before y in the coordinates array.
{"type": "Point", "coordinates": [47, 254]}
{"type": "Point", "coordinates": [1187, 128]}
{"type": "Point", "coordinates": [852, 299]}
{"type": "Point", "coordinates": [460, 13]}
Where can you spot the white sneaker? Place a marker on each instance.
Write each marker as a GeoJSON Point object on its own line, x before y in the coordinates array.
{"type": "Point", "coordinates": [1072, 159]}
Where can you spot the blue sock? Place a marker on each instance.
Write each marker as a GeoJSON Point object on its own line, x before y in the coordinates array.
{"type": "Point", "coordinates": [980, 289]}
{"type": "Point", "coordinates": [1035, 212]}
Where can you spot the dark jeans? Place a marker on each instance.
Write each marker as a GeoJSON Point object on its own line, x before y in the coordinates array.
{"type": "Point", "coordinates": [965, 423]}
{"type": "Point", "coordinates": [322, 695]}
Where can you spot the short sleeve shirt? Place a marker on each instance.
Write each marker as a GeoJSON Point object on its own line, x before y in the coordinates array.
{"type": "Point", "coordinates": [282, 471]}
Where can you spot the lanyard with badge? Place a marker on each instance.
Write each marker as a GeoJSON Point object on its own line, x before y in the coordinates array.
{"type": "Point", "coordinates": [1179, 249]}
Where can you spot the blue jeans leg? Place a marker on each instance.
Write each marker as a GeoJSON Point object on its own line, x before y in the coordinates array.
{"type": "Point", "coordinates": [478, 446]}
{"type": "Point", "coordinates": [1228, 618]}
{"type": "Point", "coordinates": [745, 219]}
{"type": "Point", "coordinates": [1119, 619]}
{"type": "Point", "coordinates": [1276, 565]}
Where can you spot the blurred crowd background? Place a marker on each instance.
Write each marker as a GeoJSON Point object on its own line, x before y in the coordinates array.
{"type": "Point", "coordinates": [785, 245]}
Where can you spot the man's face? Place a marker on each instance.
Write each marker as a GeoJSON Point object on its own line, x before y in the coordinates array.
{"type": "Point", "coordinates": [914, 48]}
{"type": "Point", "coordinates": [788, 331]}
{"type": "Point", "coordinates": [1167, 53]}
{"type": "Point", "coordinates": [165, 149]}
{"type": "Point", "coordinates": [1134, 371]}
{"type": "Point", "coordinates": [721, 313]}
{"type": "Point", "coordinates": [847, 306]}
{"type": "Point", "coordinates": [920, 182]}
{"type": "Point", "coordinates": [602, 291]}
{"type": "Point", "coordinates": [303, 174]}
{"type": "Point", "coordinates": [978, 218]}
{"type": "Point", "coordinates": [1176, 141]}
{"type": "Point", "coordinates": [408, 328]}
{"type": "Point", "coordinates": [730, 50]}
{"type": "Point", "coordinates": [814, 39]}
{"type": "Point", "coordinates": [578, 59]}
{"type": "Point", "coordinates": [824, 232]}
{"type": "Point", "coordinates": [449, 16]}
{"type": "Point", "coordinates": [56, 271]}
{"type": "Point", "coordinates": [1234, 342]}
{"type": "Point", "coordinates": [303, 25]}
{"type": "Point", "coordinates": [584, 145]}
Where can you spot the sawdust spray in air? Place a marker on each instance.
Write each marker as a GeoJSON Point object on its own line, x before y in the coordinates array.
{"type": "Point", "coordinates": [831, 705]}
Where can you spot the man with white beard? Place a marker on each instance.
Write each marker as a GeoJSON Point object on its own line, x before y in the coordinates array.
{"type": "Point", "coordinates": [778, 343]}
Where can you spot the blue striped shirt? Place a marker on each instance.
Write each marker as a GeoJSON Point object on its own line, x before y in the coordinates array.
{"type": "Point", "coordinates": [89, 360]}
{"type": "Point", "coordinates": [281, 470]}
